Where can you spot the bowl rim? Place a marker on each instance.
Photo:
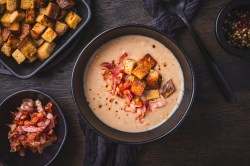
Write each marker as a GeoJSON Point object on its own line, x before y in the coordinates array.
{"type": "Point", "coordinates": [190, 103]}
{"type": "Point", "coordinates": [219, 32]}
{"type": "Point", "coordinates": [55, 54]}
{"type": "Point", "coordinates": [54, 103]}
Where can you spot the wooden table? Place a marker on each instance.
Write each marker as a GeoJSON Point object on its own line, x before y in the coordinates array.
{"type": "Point", "coordinates": [215, 132]}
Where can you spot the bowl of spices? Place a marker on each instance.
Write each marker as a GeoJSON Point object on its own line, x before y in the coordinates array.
{"type": "Point", "coordinates": [233, 28]}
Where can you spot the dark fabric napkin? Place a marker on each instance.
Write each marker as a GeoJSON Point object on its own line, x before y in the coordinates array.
{"type": "Point", "coordinates": [101, 152]}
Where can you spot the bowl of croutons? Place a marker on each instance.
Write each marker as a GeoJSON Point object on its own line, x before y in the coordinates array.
{"type": "Point", "coordinates": [133, 84]}
{"type": "Point", "coordinates": [33, 32]}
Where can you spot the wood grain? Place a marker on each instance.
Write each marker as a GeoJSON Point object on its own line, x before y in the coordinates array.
{"type": "Point", "coordinates": [214, 133]}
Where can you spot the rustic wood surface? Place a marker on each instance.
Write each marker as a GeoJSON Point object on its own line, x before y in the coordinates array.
{"type": "Point", "coordinates": [214, 133]}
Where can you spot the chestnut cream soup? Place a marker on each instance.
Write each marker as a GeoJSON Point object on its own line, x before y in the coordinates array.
{"type": "Point", "coordinates": [106, 99]}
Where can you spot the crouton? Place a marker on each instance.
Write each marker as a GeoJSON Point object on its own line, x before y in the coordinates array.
{"type": "Point", "coordinates": [138, 87]}
{"type": "Point", "coordinates": [45, 50]}
{"type": "Point", "coordinates": [152, 94]}
{"type": "Point", "coordinates": [5, 34]}
{"type": "Point", "coordinates": [42, 19]}
{"type": "Point", "coordinates": [25, 31]}
{"type": "Point", "coordinates": [52, 10]}
{"type": "Point", "coordinates": [66, 4]}
{"type": "Point", "coordinates": [27, 4]}
{"type": "Point", "coordinates": [32, 58]}
{"type": "Point", "coordinates": [62, 14]}
{"type": "Point", "coordinates": [30, 16]}
{"type": "Point", "coordinates": [15, 28]}
{"type": "Point", "coordinates": [140, 72]}
{"type": "Point", "coordinates": [154, 79]}
{"type": "Point", "coordinates": [41, 3]}
{"type": "Point", "coordinates": [27, 47]}
{"type": "Point", "coordinates": [18, 56]}
{"type": "Point", "coordinates": [13, 41]}
{"type": "Point", "coordinates": [49, 35]}
{"type": "Point", "coordinates": [39, 42]}
{"type": "Point", "coordinates": [147, 62]}
{"type": "Point", "coordinates": [17, 16]}
{"type": "Point", "coordinates": [72, 19]}
{"type": "Point", "coordinates": [61, 28]}
{"type": "Point", "coordinates": [168, 89]}
{"type": "Point", "coordinates": [5, 20]}
{"type": "Point", "coordinates": [129, 65]}
{"type": "Point", "coordinates": [12, 5]}
{"type": "Point", "coordinates": [42, 11]}
{"type": "Point", "coordinates": [6, 50]}
{"type": "Point", "coordinates": [2, 2]}
{"type": "Point", "coordinates": [37, 30]}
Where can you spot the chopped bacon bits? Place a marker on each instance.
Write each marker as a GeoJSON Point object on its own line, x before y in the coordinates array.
{"type": "Point", "coordinates": [32, 127]}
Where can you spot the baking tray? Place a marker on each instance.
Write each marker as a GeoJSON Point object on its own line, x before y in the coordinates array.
{"type": "Point", "coordinates": [27, 70]}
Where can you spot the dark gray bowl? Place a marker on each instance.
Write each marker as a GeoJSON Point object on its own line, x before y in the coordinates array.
{"type": "Point", "coordinates": [27, 70]}
{"type": "Point", "coordinates": [14, 159]}
{"type": "Point", "coordinates": [113, 134]}
{"type": "Point", "coordinates": [233, 5]}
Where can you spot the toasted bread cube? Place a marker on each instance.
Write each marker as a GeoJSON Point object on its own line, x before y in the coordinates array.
{"type": "Point", "coordinates": [15, 28]}
{"type": "Point", "coordinates": [154, 79]}
{"type": "Point", "coordinates": [17, 16]}
{"type": "Point", "coordinates": [27, 4]}
{"type": "Point", "coordinates": [138, 87]}
{"type": "Point", "coordinates": [168, 89]}
{"type": "Point", "coordinates": [61, 28]}
{"type": "Point", "coordinates": [129, 66]}
{"type": "Point", "coordinates": [2, 9]}
{"type": "Point", "coordinates": [152, 94]}
{"type": "Point", "coordinates": [6, 50]}
{"type": "Point", "coordinates": [42, 19]}
{"type": "Point", "coordinates": [49, 35]}
{"type": "Point", "coordinates": [25, 31]}
{"type": "Point", "coordinates": [27, 47]}
{"type": "Point", "coordinates": [30, 16]}
{"type": "Point", "coordinates": [2, 2]}
{"type": "Point", "coordinates": [5, 34]}
{"type": "Point", "coordinates": [5, 20]}
{"type": "Point", "coordinates": [140, 72]}
{"type": "Point", "coordinates": [42, 11]}
{"type": "Point", "coordinates": [72, 19]}
{"type": "Point", "coordinates": [13, 41]}
{"type": "Point", "coordinates": [41, 3]}
{"type": "Point", "coordinates": [66, 4]}
{"type": "Point", "coordinates": [147, 62]}
{"type": "Point", "coordinates": [39, 42]}
{"type": "Point", "coordinates": [62, 14]}
{"type": "Point", "coordinates": [11, 5]}
{"type": "Point", "coordinates": [37, 30]}
{"type": "Point", "coordinates": [52, 10]}
{"type": "Point", "coordinates": [32, 58]}
{"type": "Point", "coordinates": [18, 56]}
{"type": "Point", "coordinates": [45, 50]}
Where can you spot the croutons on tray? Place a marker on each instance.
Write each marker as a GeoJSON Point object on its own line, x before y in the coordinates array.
{"type": "Point", "coordinates": [30, 27]}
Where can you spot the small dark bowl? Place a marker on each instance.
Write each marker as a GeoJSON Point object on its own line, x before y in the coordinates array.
{"type": "Point", "coordinates": [233, 5]}
{"type": "Point", "coordinates": [116, 135]}
{"type": "Point", "coordinates": [27, 70]}
{"type": "Point", "coordinates": [14, 159]}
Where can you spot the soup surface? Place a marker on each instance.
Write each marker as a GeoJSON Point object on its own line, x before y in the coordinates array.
{"type": "Point", "coordinates": [108, 107]}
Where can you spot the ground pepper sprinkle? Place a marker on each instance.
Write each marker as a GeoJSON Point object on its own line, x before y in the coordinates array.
{"type": "Point", "coordinates": [236, 28]}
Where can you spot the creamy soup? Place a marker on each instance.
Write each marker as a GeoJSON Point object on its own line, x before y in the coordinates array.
{"type": "Point", "coordinates": [111, 112]}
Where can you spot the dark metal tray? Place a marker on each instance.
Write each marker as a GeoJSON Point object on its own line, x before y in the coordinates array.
{"type": "Point", "coordinates": [25, 70]}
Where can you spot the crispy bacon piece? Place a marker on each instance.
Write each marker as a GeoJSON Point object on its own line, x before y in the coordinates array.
{"type": "Point", "coordinates": [32, 128]}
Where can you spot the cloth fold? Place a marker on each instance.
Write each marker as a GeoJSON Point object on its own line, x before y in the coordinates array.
{"type": "Point", "coordinates": [101, 152]}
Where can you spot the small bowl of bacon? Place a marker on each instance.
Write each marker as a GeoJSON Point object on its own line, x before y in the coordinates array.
{"type": "Point", "coordinates": [33, 129]}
